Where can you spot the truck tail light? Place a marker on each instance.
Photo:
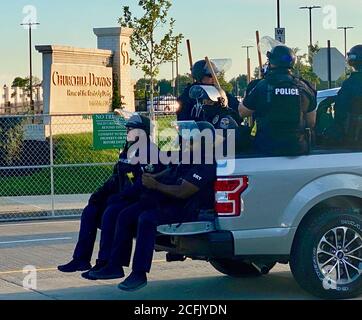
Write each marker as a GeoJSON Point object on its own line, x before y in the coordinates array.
{"type": "Point", "coordinates": [228, 195]}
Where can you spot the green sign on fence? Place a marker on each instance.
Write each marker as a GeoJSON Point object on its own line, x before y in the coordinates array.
{"type": "Point", "coordinates": [109, 132]}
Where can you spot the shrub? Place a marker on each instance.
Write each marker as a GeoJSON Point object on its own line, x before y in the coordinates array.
{"type": "Point", "coordinates": [11, 140]}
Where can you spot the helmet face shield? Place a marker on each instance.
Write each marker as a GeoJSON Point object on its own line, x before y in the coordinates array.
{"type": "Point", "coordinates": [278, 53]}
{"type": "Point", "coordinates": [267, 44]}
{"type": "Point", "coordinates": [199, 92]}
{"type": "Point", "coordinates": [201, 69]}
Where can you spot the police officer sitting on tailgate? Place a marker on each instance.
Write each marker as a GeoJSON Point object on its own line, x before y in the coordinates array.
{"type": "Point", "coordinates": [202, 75]}
{"type": "Point", "coordinates": [348, 107]}
{"type": "Point", "coordinates": [105, 204]}
{"type": "Point", "coordinates": [284, 106]}
{"type": "Point", "coordinates": [174, 196]}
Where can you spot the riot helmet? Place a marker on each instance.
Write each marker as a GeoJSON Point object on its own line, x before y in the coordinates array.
{"type": "Point", "coordinates": [354, 57]}
{"type": "Point", "coordinates": [137, 121]}
{"type": "Point", "coordinates": [282, 57]}
{"type": "Point", "coordinates": [200, 70]}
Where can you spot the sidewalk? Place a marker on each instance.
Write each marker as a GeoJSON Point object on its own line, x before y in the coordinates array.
{"type": "Point", "coordinates": [41, 206]}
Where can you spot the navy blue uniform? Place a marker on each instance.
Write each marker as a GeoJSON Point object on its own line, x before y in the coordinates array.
{"type": "Point", "coordinates": [187, 104]}
{"type": "Point", "coordinates": [251, 86]}
{"type": "Point", "coordinates": [348, 111]}
{"type": "Point", "coordinates": [281, 102]}
{"type": "Point", "coordinates": [141, 219]}
{"type": "Point", "coordinates": [105, 204]}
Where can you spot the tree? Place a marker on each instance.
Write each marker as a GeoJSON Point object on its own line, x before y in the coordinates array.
{"type": "Point", "coordinates": [150, 51]}
{"type": "Point", "coordinates": [116, 98]}
{"type": "Point", "coordinates": [303, 67]}
{"type": "Point", "coordinates": [11, 142]}
{"type": "Point", "coordinates": [240, 83]}
{"type": "Point", "coordinates": [184, 81]}
{"type": "Point", "coordinates": [313, 50]}
{"type": "Point", "coordinates": [227, 86]}
{"type": "Point", "coordinates": [24, 83]}
{"type": "Point", "coordinates": [20, 82]}
{"type": "Point", "coordinates": [165, 87]}
{"type": "Point", "coordinates": [141, 87]}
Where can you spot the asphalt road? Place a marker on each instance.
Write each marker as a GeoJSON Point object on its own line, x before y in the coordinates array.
{"type": "Point", "coordinates": [45, 245]}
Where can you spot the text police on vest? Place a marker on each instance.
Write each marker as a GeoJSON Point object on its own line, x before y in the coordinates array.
{"type": "Point", "coordinates": [287, 92]}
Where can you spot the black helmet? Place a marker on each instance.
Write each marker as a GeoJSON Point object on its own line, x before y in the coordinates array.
{"type": "Point", "coordinates": [282, 57]}
{"type": "Point", "coordinates": [354, 57]}
{"type": "Point", "coordinates": [137, 121]}
{"type": "Point", "coordinates": [201, 70]}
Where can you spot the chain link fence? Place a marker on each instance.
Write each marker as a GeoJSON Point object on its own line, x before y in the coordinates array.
{"type": "Point", "coordinates": [49, 165]}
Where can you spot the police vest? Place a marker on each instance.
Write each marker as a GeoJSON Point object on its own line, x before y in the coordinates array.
{"type": "Point", "coordinates": [220, 117]}
{"type": "Point", "coordinates": [354, 123]}
{"type": "Point", "coordinates": [281, 119]}
{"type": "Point", "coordinates": [354, 119]}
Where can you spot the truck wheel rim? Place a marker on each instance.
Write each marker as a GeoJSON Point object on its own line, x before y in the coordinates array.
{"type": "Point", "coordinates": [339, 256]}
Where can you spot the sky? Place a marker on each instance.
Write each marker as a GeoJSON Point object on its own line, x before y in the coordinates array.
{"type": "Point", "coordinates": [216, 28]}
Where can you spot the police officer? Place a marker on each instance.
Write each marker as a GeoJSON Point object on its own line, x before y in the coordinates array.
{"type": "Point", "coordinates": [202, 76]}
{"type": "Point", "coordinates": [348, 107]}
{"type": "Point", "coordinates": [180, 194]}
{"type": "Point", "coordinates": [105, 204]}
{"type": "Point", "coordinates": [283, 106]}
{"type": "Point", "coordinates": [209, 107]}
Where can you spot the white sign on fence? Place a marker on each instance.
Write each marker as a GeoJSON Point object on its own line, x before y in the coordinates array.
{"type": "Point", "coordinates": [34, 132]}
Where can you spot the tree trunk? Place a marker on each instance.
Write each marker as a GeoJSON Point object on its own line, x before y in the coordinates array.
{"type": "Point", "coordinates": [152, 112]}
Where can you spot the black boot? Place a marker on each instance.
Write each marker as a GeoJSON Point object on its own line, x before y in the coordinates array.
{"type": "Point", "coordinates": [99, 265]}
{"type": "Point", "coordinates": [107, 273]}
{"type": "Point", "coordinates": [136, 281]}
{"type": "Point", "coordinates": [75, 266]}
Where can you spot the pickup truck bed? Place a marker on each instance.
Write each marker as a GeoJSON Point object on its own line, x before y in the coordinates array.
{"type": "Point", "coordinates": [272, 206]}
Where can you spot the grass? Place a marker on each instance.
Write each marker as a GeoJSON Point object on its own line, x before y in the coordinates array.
{"type": "Point", "coordinates": [69, 150]}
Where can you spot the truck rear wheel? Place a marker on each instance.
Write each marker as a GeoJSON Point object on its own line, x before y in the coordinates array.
{"type": "Point", "coordinates": [326, 257]}
{"type": "Point", "coordinates": [240, 268]}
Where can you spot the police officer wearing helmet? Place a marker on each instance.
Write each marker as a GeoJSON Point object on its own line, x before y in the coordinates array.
{"type": "Point", "coordinates": [283, 105]}
{"type": "Point", "coordinates": [202, 76]}
{"type": "Point", "coordinates": [209, 108]}
{"type": "Point", "coordinates": [107, 202]}
{"type": "Point", "coordinates": [348, 107]}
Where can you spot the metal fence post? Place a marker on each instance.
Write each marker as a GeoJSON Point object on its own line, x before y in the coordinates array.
{"type": "Point", "coordinates": [52, 165]}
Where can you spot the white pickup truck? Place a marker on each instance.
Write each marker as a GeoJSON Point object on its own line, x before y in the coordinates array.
{"type": "Point", "coordinates": [305, 211]}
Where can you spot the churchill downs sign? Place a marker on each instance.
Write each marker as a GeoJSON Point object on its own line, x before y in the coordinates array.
{"type": "Point", "coordinates": [80, 81]}
{"type": "Point", "coordinates": [76, 86]}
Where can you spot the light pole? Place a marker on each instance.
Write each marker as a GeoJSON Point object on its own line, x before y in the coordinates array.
{"type": "Point", "coordinates": [310, 8]}
{"type": "Point", "coordinates": [30, 24]}
{"type": "Point", "coordinates": [345, 38]}
{"type": "Point", "coordinates": [248, 63]}
{"type": "Point", "coordinates": [278, 14]}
